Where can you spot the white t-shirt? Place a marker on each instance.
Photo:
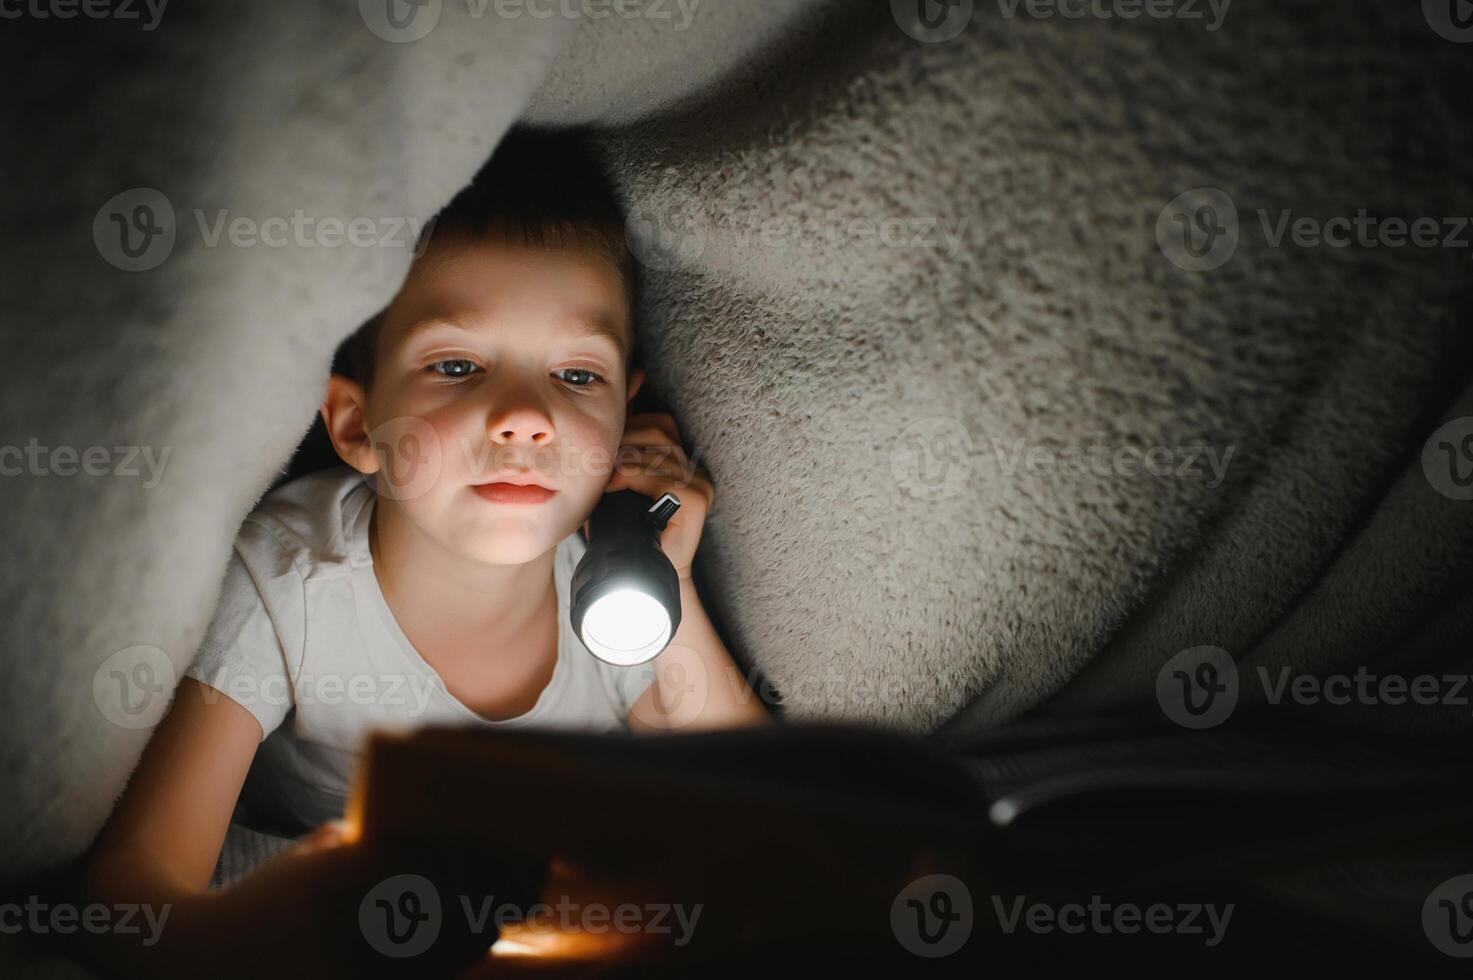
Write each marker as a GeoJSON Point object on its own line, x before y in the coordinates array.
{"type": "Point", "coordinates": [303, 638]}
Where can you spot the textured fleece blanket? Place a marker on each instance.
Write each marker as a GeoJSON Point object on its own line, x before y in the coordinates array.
{"type": "Point", "coordinates": [1002, 333]}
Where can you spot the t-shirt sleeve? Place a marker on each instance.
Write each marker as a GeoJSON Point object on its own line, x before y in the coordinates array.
{"type": "Point", "coordinates": [244, 654]}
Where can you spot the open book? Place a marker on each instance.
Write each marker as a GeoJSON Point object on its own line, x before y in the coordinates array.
{"type": "Point", "coordinates": [675, 849]}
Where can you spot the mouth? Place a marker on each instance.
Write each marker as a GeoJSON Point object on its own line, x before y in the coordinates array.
{"type": "Point", "coordinates": [514, 490]}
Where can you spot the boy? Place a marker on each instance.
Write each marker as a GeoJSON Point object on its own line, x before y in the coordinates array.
{"type": "Point", "coordinates": [481, 415]}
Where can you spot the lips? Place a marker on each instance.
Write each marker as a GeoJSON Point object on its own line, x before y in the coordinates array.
{"type": "Point", "coordinates": [514, 490]}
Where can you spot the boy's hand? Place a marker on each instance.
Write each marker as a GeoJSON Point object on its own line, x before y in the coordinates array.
{"type": "Point", "coordinates": [650, 461]}
{"type": "Point", "coordinates": [329, 908]}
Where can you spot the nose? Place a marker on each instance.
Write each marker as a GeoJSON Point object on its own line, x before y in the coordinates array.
{"type": "Point", "coordinates": [519, 420]}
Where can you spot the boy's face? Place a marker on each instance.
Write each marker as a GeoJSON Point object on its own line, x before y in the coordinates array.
{"type": "Point", "coordinates": [497, 363]}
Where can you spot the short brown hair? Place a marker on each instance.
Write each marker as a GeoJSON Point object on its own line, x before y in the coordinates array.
{"type": "Point", "coordinates": [544, 189]}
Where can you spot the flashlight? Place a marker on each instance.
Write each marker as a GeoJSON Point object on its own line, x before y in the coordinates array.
{"type": "Point", "coordinates": [626, 594]}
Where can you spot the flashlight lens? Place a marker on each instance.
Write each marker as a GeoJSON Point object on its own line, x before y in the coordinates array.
{"type": "Point", "coordinates": [626, 627]}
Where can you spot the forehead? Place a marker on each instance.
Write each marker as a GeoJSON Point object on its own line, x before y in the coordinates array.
{"type": "Point", "coordinates": [494, 284]}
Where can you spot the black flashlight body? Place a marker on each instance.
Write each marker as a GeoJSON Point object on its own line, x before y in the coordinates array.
{"type": "Point", "coordinates": [624, 552]}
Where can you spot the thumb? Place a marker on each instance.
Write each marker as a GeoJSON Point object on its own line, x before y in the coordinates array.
{"type": "Point", "coordinates": [333, 833]}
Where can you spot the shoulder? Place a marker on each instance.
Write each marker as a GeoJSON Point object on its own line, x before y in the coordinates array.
{"type": "Point", "coordinates": [314, 522]}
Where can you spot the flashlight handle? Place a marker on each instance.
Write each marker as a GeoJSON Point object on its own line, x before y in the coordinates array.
{"type": "Point", "coordinates": [628, 512]}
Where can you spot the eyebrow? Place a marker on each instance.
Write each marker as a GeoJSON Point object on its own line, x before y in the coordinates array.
{"type": "Point", "coordinates": [598, 326]}
{"type": "Point", "coordinates": [579, 326]}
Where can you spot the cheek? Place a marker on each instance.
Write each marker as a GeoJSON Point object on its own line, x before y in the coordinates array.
{"type": "Point", "coordinates": [586, 448]}
{"type": "Point", "coordinates": [444, 440]}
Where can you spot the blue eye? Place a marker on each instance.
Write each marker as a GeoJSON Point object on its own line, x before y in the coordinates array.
{"type": "Point", "coordinates": [592, 377]}
{"type": "Point", "coordinates": [455, 367]}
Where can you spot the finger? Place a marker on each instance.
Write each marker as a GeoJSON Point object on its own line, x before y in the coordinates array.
{"type": "Point", "coordinates": [653, 483]}
{"type": "Point", "coordinates": [643, 457]}
{"type": "Point", "coordinates": [678, 470]}
{"type": "Point", "coordinates": [663, 421]}
{"type": "Point", "coordinates": [648, 435]}
{"type": "Point", "coordinates": [330, 834]}
{"type": "Point", "coordinates": [666, 458]}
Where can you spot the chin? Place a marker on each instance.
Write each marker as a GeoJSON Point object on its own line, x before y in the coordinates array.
{"type": "Point", "coordinates": [508, 541]}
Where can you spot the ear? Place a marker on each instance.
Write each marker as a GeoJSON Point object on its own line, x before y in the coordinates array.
{"type": "Point", "coordinates": [636, 378]}
{"type": "Point", "coordinates": [343, 413]}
